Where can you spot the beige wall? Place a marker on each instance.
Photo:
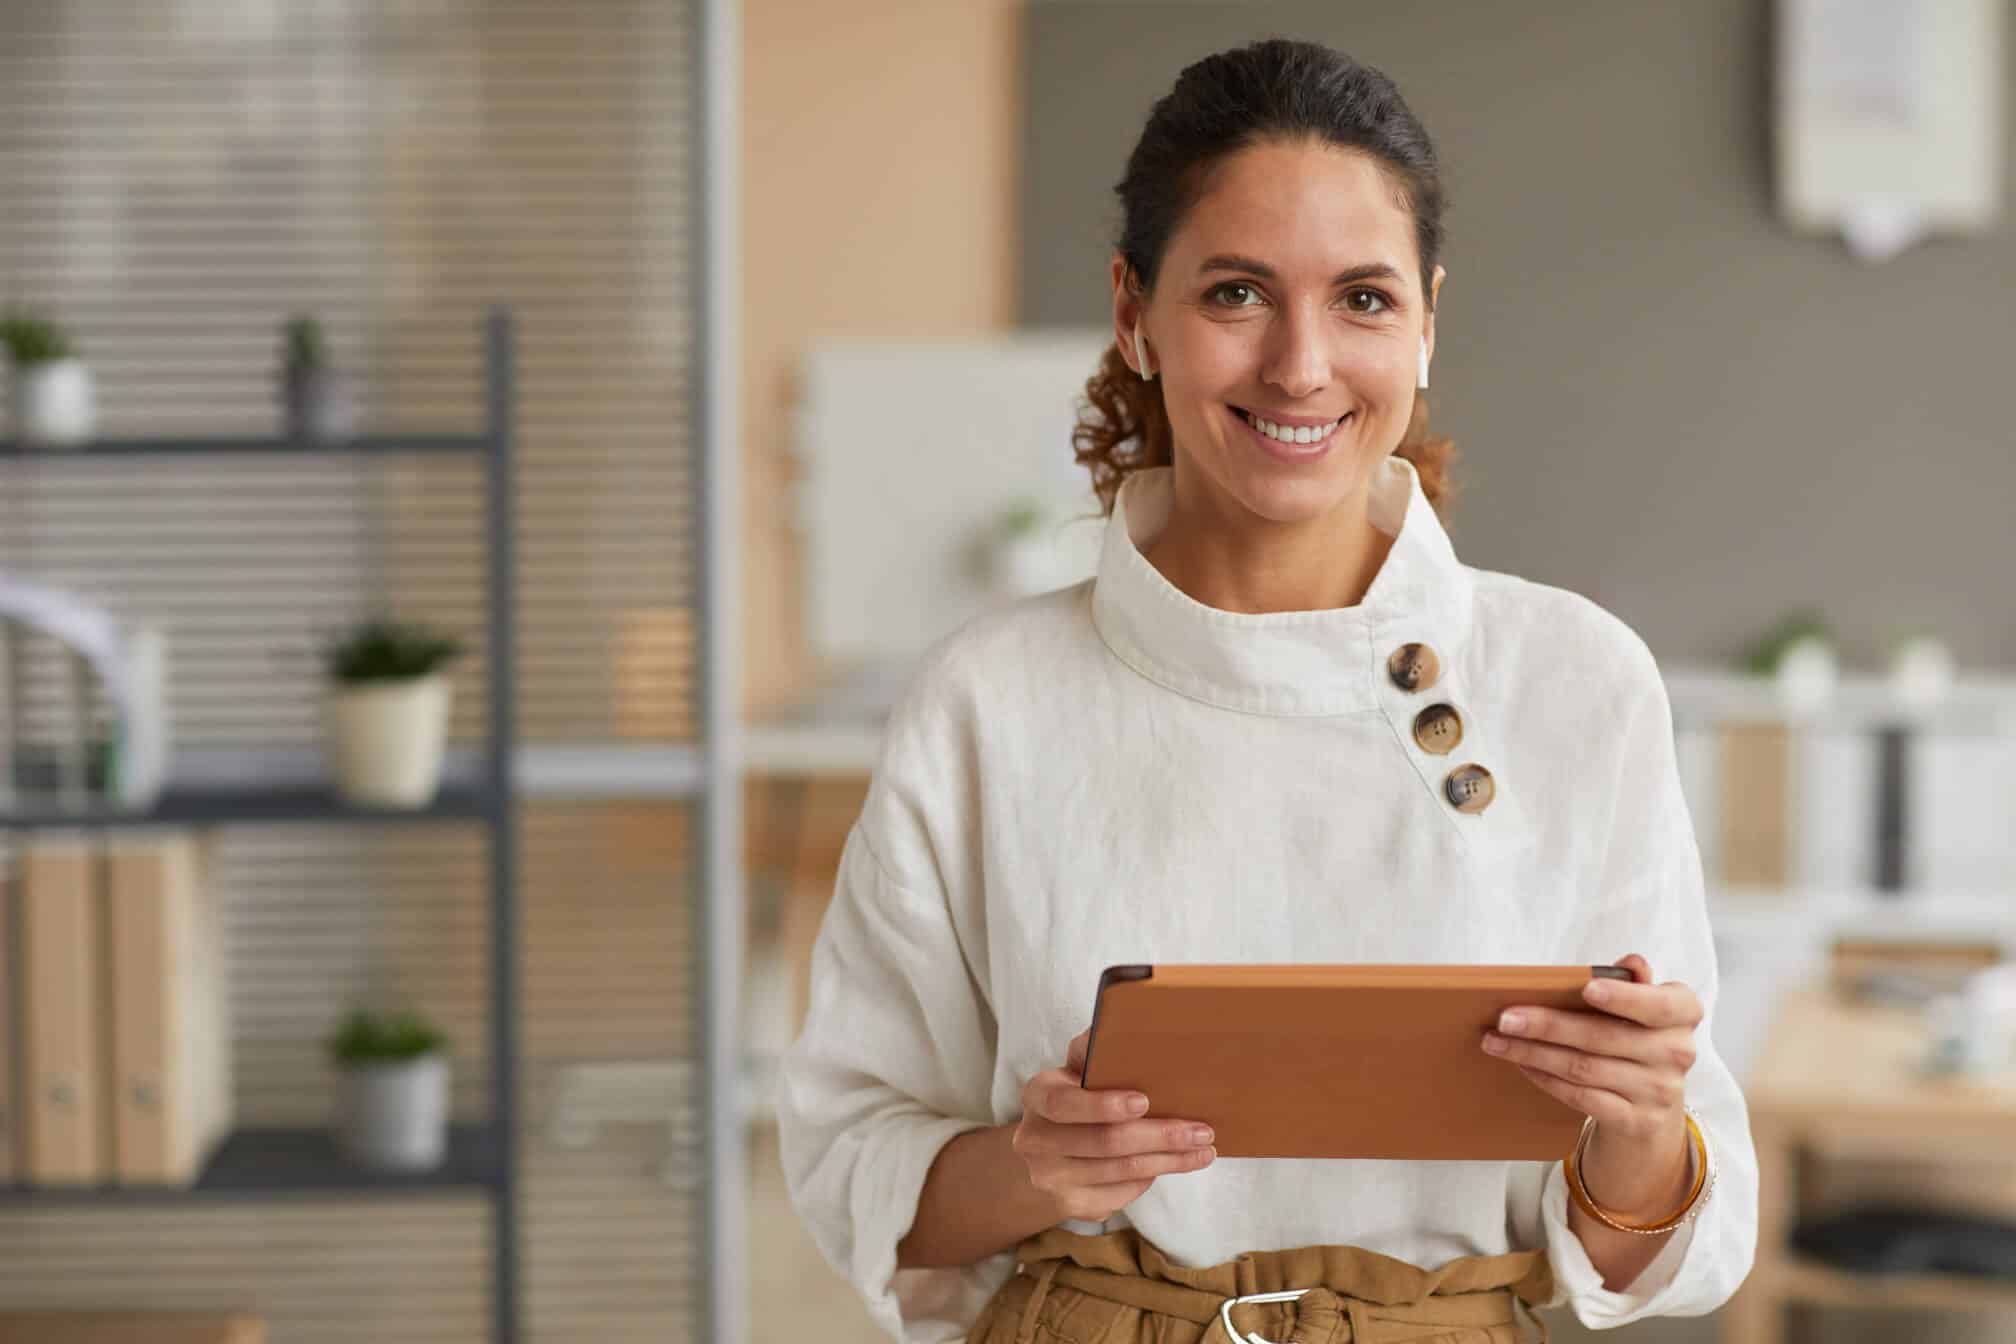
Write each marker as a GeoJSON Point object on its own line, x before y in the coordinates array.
{"type": "Point", "coordinates": [880, 181]}
{"type": "Point", "coordinates": [1665, 399]}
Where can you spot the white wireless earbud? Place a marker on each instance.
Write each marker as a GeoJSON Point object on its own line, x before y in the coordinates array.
{"type": "Point", "coordinates": [1141, 355]}
{"type": "Point", "coordinates": [1424, 363]}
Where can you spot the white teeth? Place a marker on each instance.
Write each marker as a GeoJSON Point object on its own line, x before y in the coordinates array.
{"type": "Point", "coordinates": [1287, 435]}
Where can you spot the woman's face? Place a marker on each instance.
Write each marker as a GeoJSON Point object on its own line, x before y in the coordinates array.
{"type": "Point", "coordinates": [1292, 292]}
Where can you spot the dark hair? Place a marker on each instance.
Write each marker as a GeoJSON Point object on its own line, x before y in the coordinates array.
{"type": "Point", "coordinates": [1269, 91]}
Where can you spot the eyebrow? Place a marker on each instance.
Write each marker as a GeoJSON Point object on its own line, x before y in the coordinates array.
{"type": "Point", "coordinates": [1232, 261]}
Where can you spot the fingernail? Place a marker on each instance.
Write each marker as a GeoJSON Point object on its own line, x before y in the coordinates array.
{"type": "Point", "coordinates": [1597, 991]}
{"type": "Point", "coordinates": [1137, 1104]}
{"type": "Point", "coordinates": [1512, 1021]}
{"type": "Point", "coordinates": [1201, 1135]}
{"type": "Point", "coordinates": [1494, 1045]}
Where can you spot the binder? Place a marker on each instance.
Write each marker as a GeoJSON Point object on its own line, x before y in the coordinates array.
{"type": "Point", "coordinates": [10, 984]}
{"type": "Point", "coordinates": [59, 930]}
{"type": "Point", "coordinates": [1759, 807]}
{"type": "Point", "coordinates": [171, 1094]}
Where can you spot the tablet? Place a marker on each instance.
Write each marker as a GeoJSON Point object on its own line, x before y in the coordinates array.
{"type": "Point", "coordinates": [1382, 1061]}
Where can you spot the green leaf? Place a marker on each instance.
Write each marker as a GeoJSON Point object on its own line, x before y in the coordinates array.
{"type": "Point", "coordinates": [33, 339]}
{"type": "Point", "coordinates": [369, 1038]}
{"type": "Point", "coordinates": [389, 650]}
{"type": "Point", "coordinates": [306, 348]}
{"type": "Point", "coordinates": [1761, 659]}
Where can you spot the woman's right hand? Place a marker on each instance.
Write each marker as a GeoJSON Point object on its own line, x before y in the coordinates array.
{"type": "Point", "coordinates": [1089, 1152]}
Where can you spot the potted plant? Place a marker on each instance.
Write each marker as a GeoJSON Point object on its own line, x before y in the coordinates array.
{"type": "Point", "coordinates": [1798, 655]}
{"type": "Point", "coordinates": [391, 1091]}
{"type": "Point", "coordinates": [1023, 562]}
{"type": "Point", "coordinates": [387, 711]}
{"type": "Point", "coordinates": [321, 406]}
{"type": "Point", "coordinates": [52, 395]}
{"type": "Point", "coordinates": [1921, 669]}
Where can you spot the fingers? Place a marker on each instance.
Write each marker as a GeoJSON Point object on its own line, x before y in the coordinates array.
{"type": "Point", "coordinates": [1672, 1004]}
{"type": "Point", "coordinates": [1093, 1187]}
{"type": "Point", "coordinates": [1093, 1150]}
{"type": "Point", "coordinates": [1057, 1095]}
{"type": "Point", "coordinates": [1083, 1172]}
{"type": "Point", "coordinates": [1124, 1140]}
{"type": "Point", "coordinates": [1598, 1034]}
{"type": "Point", "coordinates": [1627, 1078]}
{"type": "Point", "coordinates": [1094, 1169]}
{"type": "Point", "coordinates": [1608, 1108]}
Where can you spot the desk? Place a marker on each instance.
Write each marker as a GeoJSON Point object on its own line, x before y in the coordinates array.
{"type": "Point", "coordinates": [1837, 1076]}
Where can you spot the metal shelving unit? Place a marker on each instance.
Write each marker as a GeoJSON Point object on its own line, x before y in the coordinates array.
{"type": "Point", "coordinates": [1975, 706]}
{"type": "Point", "coordinates": [302, 1163]}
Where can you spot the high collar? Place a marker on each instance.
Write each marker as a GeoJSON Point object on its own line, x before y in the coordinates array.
{"type": "Point", "coordinates": [1288, 663]}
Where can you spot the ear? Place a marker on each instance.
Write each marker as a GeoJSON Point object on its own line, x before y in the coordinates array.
{"type": "Point", "coordinates": [1127, 308]}
{"type": "Point", "coordinates": [1434, 303]}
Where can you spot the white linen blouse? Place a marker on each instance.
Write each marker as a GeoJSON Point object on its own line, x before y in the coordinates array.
{"type": "Point", "coordinates": [1116, 773]}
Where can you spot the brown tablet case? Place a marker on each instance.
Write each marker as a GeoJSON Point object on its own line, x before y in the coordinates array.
{"type": "Point", "coordinates": [1336, 1061]}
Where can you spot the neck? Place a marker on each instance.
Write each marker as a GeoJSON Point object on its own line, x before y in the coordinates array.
{"type": "Point", "coordinates": [1254, 565]}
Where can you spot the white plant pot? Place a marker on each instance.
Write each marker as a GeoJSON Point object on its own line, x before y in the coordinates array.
{"type": "Point", "coordinates": [1921, 672]}
{"type": "Point", "coordinates": [386, 740]}
{"type": "Point", "coordinates": [394, 1116]}
{"type": "Point", "coordinates": [320, 405]}
{"type": "Point", "coordinates": [1025, 566]}
{"type": "Point", "coordinates": [53, 404]}
{"type": "Point", "coordinates": [1807, 675]}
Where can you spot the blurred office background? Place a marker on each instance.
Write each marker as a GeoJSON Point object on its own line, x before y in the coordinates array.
{"type": "Point", "coordinates": [1728, 424]}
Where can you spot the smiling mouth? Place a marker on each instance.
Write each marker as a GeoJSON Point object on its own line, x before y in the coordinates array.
{"type": "Point", "coordinates": [1290, 437]}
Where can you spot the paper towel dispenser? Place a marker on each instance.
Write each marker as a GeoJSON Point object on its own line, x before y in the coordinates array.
{"type": "Point", "coordinates": [1889, 119]}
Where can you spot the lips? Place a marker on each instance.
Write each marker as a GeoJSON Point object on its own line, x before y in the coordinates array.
{"type": "Point", "coordinates": [1291, 421]}
{"type": "Point", "coordinates": [1296, 453]}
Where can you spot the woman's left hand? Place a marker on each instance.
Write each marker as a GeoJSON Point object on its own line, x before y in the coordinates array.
{"type": "Point", "coordinates": [1624, 1064]}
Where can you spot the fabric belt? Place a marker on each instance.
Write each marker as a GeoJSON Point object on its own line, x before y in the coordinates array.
{"type": "Point", "coordinates": [1369, 1322]}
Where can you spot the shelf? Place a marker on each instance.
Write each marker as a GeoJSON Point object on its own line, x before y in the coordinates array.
{"type": "Point", "coordinates": [251, 805]}
{"type": "Point", "coordinates": [1978, 705]}
{"type": "Point", "coordinates": [250, 447]}
{"type": "Point", "coordinates": [255, 1163]}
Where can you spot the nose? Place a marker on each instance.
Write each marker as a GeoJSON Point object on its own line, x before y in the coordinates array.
{"type": "Point", "coordinates": [1298, 361]}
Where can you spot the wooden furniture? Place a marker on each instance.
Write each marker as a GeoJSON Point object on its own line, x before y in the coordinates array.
{"type": "Point", "coordinates": [1840, 1078]}
{"type": "Point", "coordinates": [106, 1327]}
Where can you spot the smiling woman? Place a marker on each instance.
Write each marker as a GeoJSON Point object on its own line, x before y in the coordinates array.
{"type": "Point", "coordinates": [1281, 264]}
{"type": "Point", "coordinates": [1283, 723]}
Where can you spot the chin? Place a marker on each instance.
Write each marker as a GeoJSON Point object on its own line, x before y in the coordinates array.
{"type": "Point", "coordinates": [1293, 497]}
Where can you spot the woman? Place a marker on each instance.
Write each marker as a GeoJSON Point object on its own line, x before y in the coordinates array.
{"type": "Point", "coordinates": [1283, 723]}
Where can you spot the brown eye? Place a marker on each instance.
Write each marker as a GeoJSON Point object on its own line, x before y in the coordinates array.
{"type": "Point", "coordinates": [1229, 287]}
{"type": "Point", "coordinates": [1372, 294]}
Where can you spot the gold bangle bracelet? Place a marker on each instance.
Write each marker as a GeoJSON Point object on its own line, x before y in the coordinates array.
{"type": "Point", "coordinates": [1704, 1180]}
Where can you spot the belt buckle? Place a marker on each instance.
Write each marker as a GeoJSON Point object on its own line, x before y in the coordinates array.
{"type": "Point", "coordinates": [1225, 1312]}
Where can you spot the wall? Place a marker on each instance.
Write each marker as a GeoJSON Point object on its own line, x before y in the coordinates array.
{"type": "Point", "coordinates": [880, 176]}
{"type": "Point", "coordinates": [1665, 400]}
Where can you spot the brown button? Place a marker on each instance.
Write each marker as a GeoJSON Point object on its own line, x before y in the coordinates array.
{"type": "Point", "coordinates": [1414, 667]}
{"type": "Point", "coordinates": [1470, 788]}
{"type": "Point", "coordinates": [1438, 729]}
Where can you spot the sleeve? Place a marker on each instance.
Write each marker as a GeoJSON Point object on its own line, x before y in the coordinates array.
{"type": "Point", "coordinates": [1652, 902]}
{"type": "Point", "coordinates": [894, 1061]}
